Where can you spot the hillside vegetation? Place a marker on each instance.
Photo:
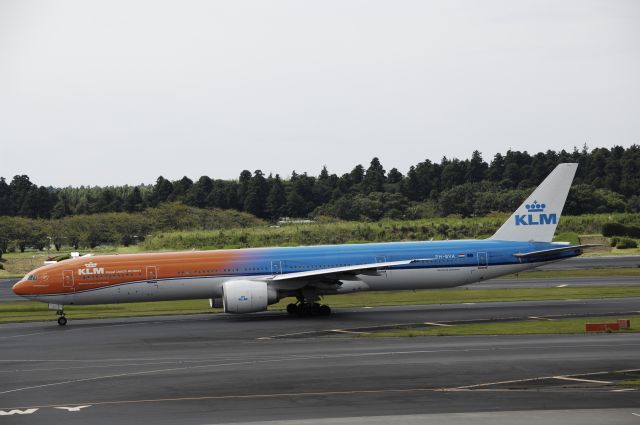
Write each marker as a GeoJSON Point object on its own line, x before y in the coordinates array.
{"type": "Point", "coordinates": [381, 231]}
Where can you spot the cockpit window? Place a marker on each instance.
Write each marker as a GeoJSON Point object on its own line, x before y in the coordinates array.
{"type": "Point", "coordinates": [32, 277]}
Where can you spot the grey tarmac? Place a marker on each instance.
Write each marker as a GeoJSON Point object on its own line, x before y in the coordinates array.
{"type": "Point", "coordinates": [594, 262]}
{"type": "Point", "coordinates": [221, 369]}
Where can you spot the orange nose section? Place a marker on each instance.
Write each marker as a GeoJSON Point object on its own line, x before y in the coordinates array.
{"type": "Point", "coordinates": [21, 288]}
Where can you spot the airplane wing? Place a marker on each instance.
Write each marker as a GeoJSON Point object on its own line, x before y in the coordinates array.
{"type": "Point", "coordinates": [545, 252]}
{"type": "Point", "coordinates": [352, 270]}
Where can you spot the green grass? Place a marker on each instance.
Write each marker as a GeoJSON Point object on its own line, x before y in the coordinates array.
{"type": "Point", "coordinates": [4, 274]}
{"type": "Point", "coordinates": [525, 327]}
{"type": "Point", "coordinates": [21, 311]}
{"type": "Point", "coordinates": [571, 237]}
{"type": "Point", "coordinates": [631, 382]}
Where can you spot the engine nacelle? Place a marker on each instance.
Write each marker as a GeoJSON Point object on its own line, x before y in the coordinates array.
{"type": "Point", "coordinates": [247, 296]}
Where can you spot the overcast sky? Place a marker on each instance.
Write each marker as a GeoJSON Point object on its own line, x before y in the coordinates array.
{"type": "Point", "coordinates": [120, 92]}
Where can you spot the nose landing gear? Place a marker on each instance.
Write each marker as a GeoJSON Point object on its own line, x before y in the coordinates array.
{"type": "Point", "coordinates": [59, 308]}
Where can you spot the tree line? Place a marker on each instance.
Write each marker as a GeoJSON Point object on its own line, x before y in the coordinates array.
{"type": "Point", "coordinates": [115, 228]}
{"type": "Point", "coordinates": [607, 180]}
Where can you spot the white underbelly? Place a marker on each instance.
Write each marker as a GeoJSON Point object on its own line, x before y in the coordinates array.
{"type": "Point", "coordinates": [433, 278]}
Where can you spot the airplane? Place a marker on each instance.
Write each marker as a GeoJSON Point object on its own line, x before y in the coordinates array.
{"type": "Point", "coordinates": [249, 280]}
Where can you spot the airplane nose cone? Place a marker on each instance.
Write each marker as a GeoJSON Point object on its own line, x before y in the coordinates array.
{"type": "Point", "coordinates": [20, 288]}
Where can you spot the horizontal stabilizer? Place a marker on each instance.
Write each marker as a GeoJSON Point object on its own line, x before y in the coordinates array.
{"type": "Point", "coordinates": [546, 252]}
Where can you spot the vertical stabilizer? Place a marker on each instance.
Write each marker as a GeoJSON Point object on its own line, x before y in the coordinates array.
{"type": "Point", "coordinates": [537, 218]}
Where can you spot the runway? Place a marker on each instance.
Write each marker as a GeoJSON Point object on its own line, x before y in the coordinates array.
{"type": "Point", "coordinates": [555, 282]}
{"type": "Point", "coordinates": [219, 368]}
{"type": "Point", "coordinates": [594, 262]}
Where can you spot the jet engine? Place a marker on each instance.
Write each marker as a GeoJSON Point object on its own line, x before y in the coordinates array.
{"type": "Point", "coordinates": [247, 296]}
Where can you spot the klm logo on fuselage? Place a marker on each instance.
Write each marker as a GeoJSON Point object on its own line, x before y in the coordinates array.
{"type": "Point", "coordinates": [533, 219]}
{"type": "Point", "coordinates": [91, 269]}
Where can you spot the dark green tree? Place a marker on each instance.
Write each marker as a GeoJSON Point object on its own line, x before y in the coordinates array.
{"type": "Point", "coordinates": [374, 178]}
{"type": "Point", "coordinates": [6, 204]}
{"type": "Point", "coordinates": [394, 176]}
{"type": "Point", "coordinates": [276, 205]}
{"type": "Point", "coordinates": [161, 191]}
{"type": "Point", "coordinates": [180, 189]}
{"type": "Point", "coordinates": [256, 195]}
{"type": "Point", "coordinates": [134, 202]}
{"type": "Point", "coordinates": [476, 169]}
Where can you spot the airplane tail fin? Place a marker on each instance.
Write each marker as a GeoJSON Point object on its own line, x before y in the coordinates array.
{"type": "Point", "coordinates": [537, 218]}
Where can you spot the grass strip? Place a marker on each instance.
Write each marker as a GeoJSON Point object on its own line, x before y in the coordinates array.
{"type": "Point", "coordinates": [24, 311]}
{"type": "Point", "coordinates": [524, 327]}
{"type": "Point", "coordinates": [4, 274]}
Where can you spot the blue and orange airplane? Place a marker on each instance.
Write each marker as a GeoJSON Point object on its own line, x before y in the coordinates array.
{"type": "Point", "coordinates": [248, 280]}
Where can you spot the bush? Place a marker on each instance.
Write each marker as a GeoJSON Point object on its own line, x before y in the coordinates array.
{"type": "Point", "coordinates": [614, 242]}
{"type": "Point", "coordinates": [619, 229]}
{"type": "Point", "coordinates": [1, 266]}
{"type": "Point", "coordinates": [627, 243]}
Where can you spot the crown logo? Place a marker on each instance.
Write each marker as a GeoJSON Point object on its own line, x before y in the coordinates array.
{"type": "Point", "coordinates": [535, 207]}
{"type": "Point", "coordinates": [90, 265]}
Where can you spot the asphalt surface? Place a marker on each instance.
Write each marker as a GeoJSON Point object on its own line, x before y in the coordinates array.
{"type": "Point", "coordinates": [6, 294]}
{"type": "Point", "coordinates": [597, 262]}
{"type": "Point", "coordinates": [554, 282]}
{"type": "Point", "coordinates": [271, 367]}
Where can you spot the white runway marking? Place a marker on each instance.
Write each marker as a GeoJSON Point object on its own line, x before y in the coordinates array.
{"type": "Point", "coordinates": [349, 332]}
{"type": "Point", "coordinates": [568, 378]}
{"type": "Point", "coordinates": [436, 324]}
{"type": "Point", "coordinates": [18, 412]}
{"type": "Point", "coordinates": [564, 285]}
{"type": "Point", "coordinates": [72, 409]}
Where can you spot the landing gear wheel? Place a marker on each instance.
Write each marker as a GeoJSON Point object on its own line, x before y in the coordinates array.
{"type": "Point", "coordinates": [310, 310]}
{"type": "Point", "coordinates": [292, 308]}
{"type": "Point", "coordinates": [303, 310]}
{"type": "Point", "coordinates": [62, 320]}
{"type": "Point", "coordinates": [324, 310]}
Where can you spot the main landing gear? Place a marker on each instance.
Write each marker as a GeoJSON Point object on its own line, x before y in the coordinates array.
{"type": "Point", "coordinates": [303, 309]}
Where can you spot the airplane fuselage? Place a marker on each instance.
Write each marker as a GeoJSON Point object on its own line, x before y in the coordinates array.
{"type": "Point", "coordinates": [201, 274]}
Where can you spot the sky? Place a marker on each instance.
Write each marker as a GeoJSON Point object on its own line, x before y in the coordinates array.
{"type": "Point", "coordinates": [122, 91]}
